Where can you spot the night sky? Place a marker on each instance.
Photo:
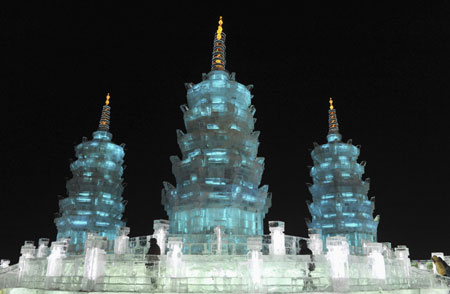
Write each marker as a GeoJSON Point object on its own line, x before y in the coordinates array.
{"type": "Point", "coordinates": [387, 68]}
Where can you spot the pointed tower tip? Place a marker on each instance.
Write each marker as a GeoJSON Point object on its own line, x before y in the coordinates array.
{"type": "Point", "coordinates": [218, 55]}
{"type": "Point", "coordinates": [219, 29]}
{"type": "Point", "coordinates": [333, 125]}
{"type": "Point", "coordinates": [105, 117]}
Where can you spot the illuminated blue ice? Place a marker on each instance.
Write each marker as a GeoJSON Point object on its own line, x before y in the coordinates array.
{"type": "Point", "coordinates": [94, 201]}
{"type": "Point", "coordinates": [340, 205]}
{"type": "Point", "coordinates": [219, 176]}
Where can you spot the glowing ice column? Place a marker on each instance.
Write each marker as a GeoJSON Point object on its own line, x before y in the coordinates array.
{"type": "Point", "coordinates": [174, 256]}
{"type": "Point", "coordinates": [255, 261]}
{"type": "Point", "coordinates": [218, 242]}
{"type": "Point", "coordinates": [28, 252]}
{"type": "Point", "coordinates": [55, 264]}
{"type": "Point", "coordinates": [276, 229]}
{"type": "Point", "coordinates": [43, 250]}
{"type": "Point", "coordinates": [338, 252]}
{"type": "Point", "coordinates": [121, 242]}
{"type": "Point", "coordinates": [376, 259]}
{"type": "Point", "coordinates": [4, 263]}
{"type": "Point", "coordinates": [402, 254]}
{"type": "Point", "coordinates": [160, 232]}
{"type": "Point", "coordinates": [315, 241]}
{"type": "Point", "coordinates": [94, 261]}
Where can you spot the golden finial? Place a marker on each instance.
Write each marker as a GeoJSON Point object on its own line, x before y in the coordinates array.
{"type": "Point", "coordinates": [219, 29]}
{"type": "Point", "coordinates": [331, 103]}
{"type": "Point", "coordinates": [107, 99]}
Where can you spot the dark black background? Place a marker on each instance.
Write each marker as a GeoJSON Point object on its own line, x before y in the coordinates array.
{"type": "Point", "coordinates": [386, 66]}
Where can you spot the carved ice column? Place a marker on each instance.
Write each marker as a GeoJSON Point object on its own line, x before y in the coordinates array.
{"type": "Point", "coordinates": [55, 262]}
{"type": "Point", "coordinates": [315, 242]}
{"type": "Point", "coordinates": [43, 250]}
{"type": "Point", "coordinates": [121, 242]}
{"type": "Point", "coordinates": [174, 256]}
{"type": "Point", "coordinates": [4, 263]}
{"type": "Point", "coordinates": [255, 262]}
{"type": "Point", "coordinates": [337, 255]}
{"type": "Point", "coordinates": [375, 260]}
{"type": "Point", "coordinates": [277, 246]}
{"type": "Point", "coordinates": [94, 261]}
{"type": "Point", "coordinates": [160, 232]}
{"type": "Point", "coordinates": [28, 251]}
{"type": "Point", "coordinates": [402, 255]}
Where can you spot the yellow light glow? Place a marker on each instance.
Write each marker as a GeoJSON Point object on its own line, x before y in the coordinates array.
{"type": "Point", "coordinates": [107, 99]}
{"type": "Point", "coordinates": [219, 29]}
{"type": "Point", "coordinates": [331, 103]}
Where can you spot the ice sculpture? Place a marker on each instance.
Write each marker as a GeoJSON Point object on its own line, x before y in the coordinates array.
{"type": "Point", "coordinates": [340, 205]}
{"type": "Point", "coordinates": [121, 242]}
{"type": "Point", "coordinates": [376, 259]}
{"type": "Point", "coordinates": [55, 264]}
{"type": "Point", "coordinates": [43, 250]}
{"type": "Point", "coordinates": [219, 174]}
{"type": "Point", "coordinates": [337, 255]}
{"type": "Point", "coordinates": [255, 262]}
{"type": "Point", "coordinates": [94, 261]}
{"type": "Point", "coordinates": [94, 201]}
{"type": "Point", "coordinates": [160, 232]}
{"type": "Point", "coordinates": [277, 246]}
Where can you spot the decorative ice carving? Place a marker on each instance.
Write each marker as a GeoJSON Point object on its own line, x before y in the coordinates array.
{"type": "Point", "coordinates": [121, 242]}
{"type": "Point", "coordinates": [255, 262]}
{"type": "Point", "coordinates": [160, 232]}
{"type": "Point", "coordinates": [277, 247]}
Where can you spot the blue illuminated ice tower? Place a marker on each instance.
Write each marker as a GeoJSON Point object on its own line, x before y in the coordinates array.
{"type": "Point", "coordinates": [340, 205]}
{"type": "Point", "coordinates": [219, 175]}
{"type": "Point", "coordinates": [94, 202]}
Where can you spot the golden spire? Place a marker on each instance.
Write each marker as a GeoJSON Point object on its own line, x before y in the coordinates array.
{"type": "Point", "coordinates": [333, 125]}
{"type": "Point", "coordinates": [105, 117]}
{"type": "Point", "coordinates": [218, 55]}
{"type": "Point", "coordinates": [219, 29]}
{"type": "Point", "coordinates": [107, 99]}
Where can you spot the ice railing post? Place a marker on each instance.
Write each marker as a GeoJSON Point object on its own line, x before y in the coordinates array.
{"type": "Point", "coordinates": [4, 263]}
{"type": "Point", "coordinates": [255, 262]}
{"type": "Point", "coordinates": [315, 242]}
{"type": "Point", "coordinates": [43, 250]}
{"type": "Point", "coordinates": [174, 256]}
{"type": "Point", "coordinates": [55, 262]}
{"type": "Point", "coordinates": [277, 246]}
{"type": "Point", "coordinates": [376, 263]}
{"type": "Point", "coordinates": [402, 255]}
{"type": "Point", "coordinates": [121, 242]}
{"type": "Point", "coordinates": [160, 232]}
{"type": "Point", "coordinates": [218, 241]}
{"type": "Point", "coordinates": [94, 261]}
{"type": "Point", "coordinates": [337, 255]}
{"type": "Point", "coordinates": [27, 251]}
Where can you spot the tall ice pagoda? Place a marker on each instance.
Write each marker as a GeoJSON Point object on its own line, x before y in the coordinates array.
{"type": "Point", "coordinates": [340, 205]}
{"type": "Point", "coordinates": [94, 202]}
{"type": "Point", "coordinates": [219, 174]}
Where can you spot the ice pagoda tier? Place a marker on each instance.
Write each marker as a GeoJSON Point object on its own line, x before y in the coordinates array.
{"type": "Point", "coordinates": [94, 202]}
{"type": "Point", "coordinates": [218, 177]}
{"type": "Point", "coordinates": [340, 205]}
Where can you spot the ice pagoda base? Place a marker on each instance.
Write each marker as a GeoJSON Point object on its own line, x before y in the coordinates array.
{"type": "Point", "coordinates": [130, 273]}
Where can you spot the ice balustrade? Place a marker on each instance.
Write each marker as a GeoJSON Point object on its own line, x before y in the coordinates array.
{"type": "Point", "coordinates": [337, 270]}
